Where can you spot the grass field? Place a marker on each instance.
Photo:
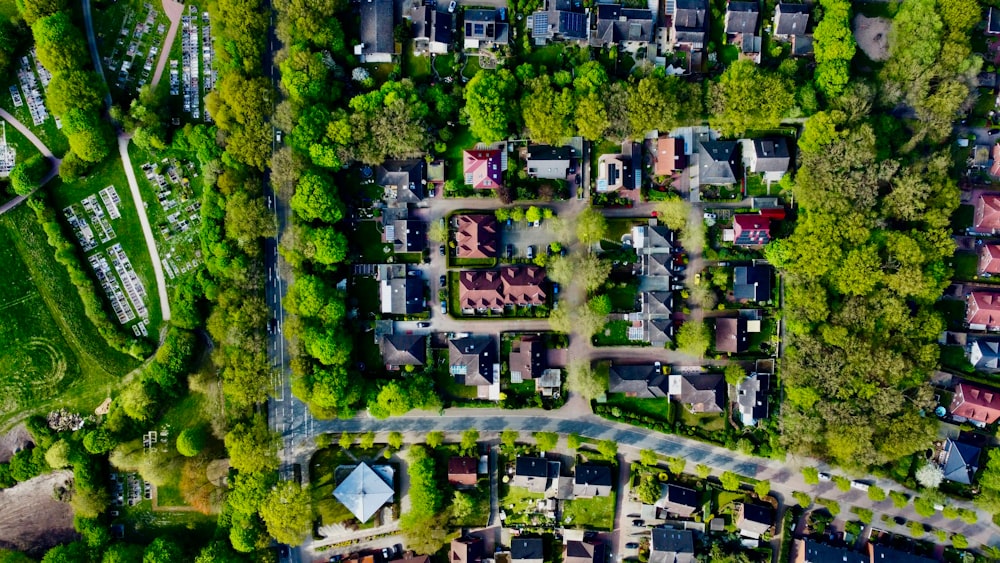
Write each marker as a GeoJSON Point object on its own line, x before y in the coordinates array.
{"type": "Point", "coordinates": [25, 150]}
{"type": "Point", "coordinates": [659, 409]}
{"type": "Point", "coordinates": [596, 513]}
{"type": "Point", "coordinates": [127, 229]}
{"type": "Point", "coordinates": [51, 354]}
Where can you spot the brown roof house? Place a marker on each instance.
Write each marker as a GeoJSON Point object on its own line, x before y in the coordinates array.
{"type": "Point", "coordinates": [731, 335]}
{"type": "Point", "coordinates": [669, 156]}
{"type": "Point", "coordinates": [987, 214]}
{"type": "Point", "coordinates": [975, 403]}
{"type": "Point", "coordinates": [462, 471]}
{"type": "Point", "coordinates": [982, 310]}
{"type": "Point", "coordinates": [467, 550]}
{"type": "Point", "coordinates": [474, 362]}
{"type": "Point", "coordinates": [404, 350]}
{"type": "Point", "coordinates": [493, 290]}
{"type": "Point", "coordinates": [527, 358]}
{"type": "Point", "coordinates": [476, 236]}
{"type": "Point", "coordinates": [989, 259]}
{"type": "Point", "coordinates": [754, 520]}
{"type": "Point", "coordinates": [698, 392]}
{"type": "Point", "coordinates": [483, 168]}
{"type": "Point", "coordinates": [585, 551]}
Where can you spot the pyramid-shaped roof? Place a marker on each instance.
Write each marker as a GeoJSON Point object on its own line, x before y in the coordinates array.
{"type": "Point", "coordinates": [363, 492]}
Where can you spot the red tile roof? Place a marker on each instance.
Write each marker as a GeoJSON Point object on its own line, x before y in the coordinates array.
{"type": "Point", "coordinates": [477, 236]}
{"type": "Point", "coordinates": [751, 230]}
{"type": "Point", "coordinates": [495, 289]}
{"type": "Point", "coordinates": [982, 308]}
{"type": "Point", "coordinates": [987, 217]}
{"type": "Point", "coordinates": [462, 470]}
{"type": "Point", "coordinates": [995, 168]}
{"type": "Point", "coordinates": [669, 156]}
{"type": "Point", "coordinates": [976, 403]}
{"type": "Point", "coordinates": [989, 259]}
{"type": "Point", "coordinates": [482, 169]}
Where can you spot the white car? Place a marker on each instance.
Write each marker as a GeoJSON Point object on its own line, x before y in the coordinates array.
{"type": "Point", "coordinates": [452, 6]}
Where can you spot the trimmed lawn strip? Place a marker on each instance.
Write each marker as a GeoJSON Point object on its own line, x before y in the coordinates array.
{"type": "Point", "coordinates": [596, 513]}
{"type": "Point", "coordinates": [660, 409]}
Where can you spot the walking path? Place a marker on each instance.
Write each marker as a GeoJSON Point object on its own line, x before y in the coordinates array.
{"type": "Point", "coordinates": [14, 202]}
{"type": "Point", "coordinates": [147, 231]}
{"type": "Point", "coordinates": [174, 11]}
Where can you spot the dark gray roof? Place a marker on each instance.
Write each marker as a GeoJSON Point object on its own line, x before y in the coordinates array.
{"type": "Point", "coordinates": [616, 24]}
{"type": "Point", "coordinates": [690, 22]}
{"type": "Point", "coordinates": [642, 381]}
{"type": "Point", "coordinates": [772, 155]}
{"type": "Point", "coordinates": [558, 21]}
{"type": "Point", "coordinates": [791, 19]}
{"type": "Point", "coordinates": [816, 552]}
{"type": "Point", "coordinates": [758, 513]}
{"type": "Point", "coordinates": [408, 235]}
{"type": "Point", "coordinates": [529, 466]}
{"type": "Point", "coordinates": [472, 359]}
{"type": "Point", "coordinates": [883, 554]}
{"type": "Point", "coordinates": [802, 45]}
{"type": "Point", "coordinates": [658, 264]}
{"type": "Point", "coordinates": [404, 349]}
{"type": "Point", "coordinates": [672, 546]}
{"type": "Point", "coordinates": [377, 21]}
{"type": "Point", "coordinates": [731, 335]}
{"type": "Point", "coordinates": [431, 25]}
{"type": "Point", "coordinates": [660, 331]}
{"type": "Point", "coordinates": [703, 392]}
{"type": "Point", "coordinates": [993, 21]}
{"type": "Point", "coordinates": [406, 177]}
{"type": "Point", "coordinates": [527, 549]}
{"type": "Point", "coordinates": [658, 236]}
{"type": "Point", "coordinates": [548, 152]}
{"type": "Point", "coordinates": [717, 159]}
{"type": "Point", "coordinates": [751, 395]}
{"type": "Point", "coordinates": [590, 474]}
{"type": "Point", "coordinates": [984, 354]}
{"type": "Point", "coordinates": [405, 295]}
{"type": "Point", "coordinates": [482, 25]}
{"type": "Point", "coordinates": [961, 461]}
{"type": "Point", "coordinates": [752, 283]}
{"type": "Point", "coordinates": [741, 17]}
{"type": "Point", "coordinates": [658, 302]}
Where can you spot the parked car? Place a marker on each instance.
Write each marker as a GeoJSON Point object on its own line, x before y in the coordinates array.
{"type": "Point", "coordinates": [632, 545]}
{"type": "Point", "coordinates": [452, 6]}
{"type": "Point", "coordinates": [442, 250]}
{"type": "Point", "coordinates": [859, 485]}
{"type": "Point", "coordinates": [711, 216]}
{"type": "Point", "coordinates": [443, 280]}
{"type": "Point", "coordinates": [444, 307]}
{"type": "Point", "coordinates": [510, 251]}
{"type": "Point", "coordinates": [824, 477]}
{"type": "Point", "coordinates": [531, 251]}
{"type": "Point", "coordinates": [638, 522]}
{"type": "Point", "coordinates": [555, 289]}
{"type": "Point", "coordinates": [423, 324]}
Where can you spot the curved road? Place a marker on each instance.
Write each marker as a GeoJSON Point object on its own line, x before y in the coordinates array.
{"type": "Point", "coordinates": [147, 231]}
{"type": "Point", "coordinates": [22, 129]}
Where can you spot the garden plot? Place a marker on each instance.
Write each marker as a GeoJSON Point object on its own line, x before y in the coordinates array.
{"type": "Point", "coordinates": [136, 47]}
{"type": "Point", "coordinates": [182, 212]}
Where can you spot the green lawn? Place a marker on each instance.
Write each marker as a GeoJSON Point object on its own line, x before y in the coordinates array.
{"type": "Point", "coordinates": [520, 505]}
{"type": "Point", "coordinates": [24, 148]}
{"type": "Point", "coordinates": [596, 513]}
{"type": "Point", "coordinates": [51, 354]}
{"type": "Point", "coordinates": [368, 238]}
{"type": "Point", "coordinates": [953, 358]}
{"type": "Point", "coordinates": [756, 186]}
{"type": "Point", "coordinates": [707, 422]}
{"type": "Point", "coordinates": [8, 9]}
{"type": "Point", "coordinates": [659, 409]}
{"type": "Point", "coordinates": [415, 66]}
{"type": "Point", "coordinates": [142, 524]}
{"type": "Point", "coordinates": [615, 333]}
{"type": "Point", "coordinates": [965, 264]}
{"type": "Point", "coordinates": [445, 64]}
{"type": "Point", "coordinates": [550, 56]}
{"type": "Point", "coordinates": [47, 132]}
{"type": "Point", "coordinates": [322, 482]}
{"type": "Point", "coordinates": [962, 218]}
{"type": "Point", "coordinates": [623, 298]}
{"type": "Point", "coordinates": [953, 311]}
{"type": "Point", "coordinates": [470, 69]}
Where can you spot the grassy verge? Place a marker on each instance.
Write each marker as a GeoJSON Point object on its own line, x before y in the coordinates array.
{"type": "Point", "coordinates": [596, 513]}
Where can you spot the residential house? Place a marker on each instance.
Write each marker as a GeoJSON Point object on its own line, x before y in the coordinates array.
{"type": "Point", "coordinates": [402, 181]}
{"type": "Point", "coordinates": [533, 473]}
{"type": "Point", "coordinates": [527, 550]}
{"type": "Point", "coordinates": [993, 22]}
{"type": "Point", "coordinates": [494, 290]}
{"type": "Point", "coordinates": [483, 168]}
{"type": "Point", "coordinates": [414, 559]}
{"type": "Point", "coordinates": [754, 520]}
{"type": "Point", "coordinates": [752, 283]}
{"type": "Point", "coordinates": [659, 331]}
{"type": "Point", "coordinates": [993, 161]}
{"type": "Point", "coordinates": [959, 461]}
{"type": "Point", "coordinates": [652, 238]}
{"type": "Point", "coordinates": [402, 295]}
{"type": "Point", "coordinates": [657, 265]}
{"type": "Point", "coordinates": [377, 22]}
{"type": "Point", "coordinates": [689, 26]}
{"type": "Point", "coordinates": [700, 393]}
{"type": "Point", "coordinates": [592, 481]}
{"type": "Point", "coordinates": [400, 349]}
{"type": "Point", "coordinates": [975, 403]}
{"type": "Point", "coordinates": [552, 163]}
{"type": "Point", "coordinates": [751, 230]}
{"type": "Point", "coordinates": [989, 259]}
{"type": "Point", "coordinates": [769, 157]}
{"type": "Point", "coordinates": [405, 235]}
{"type": "Point", "coordinates": [431, 30]}
{"type": "Point", "coordinates": [476, 236]}
{"type": "Point", "coordinates": [468, 549]}
{"type": "Point", "coordinates": [462, 471]}
{"type": "Point", "coordinates": [987, 214]}
{"type": "Point", "coordinates": [631, 28]}
{"type": "Point", "coordinates": [584, 551]}
{"type": "Point", "coordinates": [670, 156]}
{"type": "Point", "coordinates": [751, 398]}
{"type": "Point", "coordinates": [549, 383]}
{"type": "Point", "coordinates": [741, 18]}
{"type": "Point", "coordinates": [560, 20]}
{"type": "Point", "coordinates": [680, 501]}
{"type": "Point", "coordinates": [982, 310]}
{"type": "Point", "coordinates": [879, 553]}
{"type": "Point", "coordinates": [484, 29]}
{"type": "Point", "coordinates": [984, 353]}
{"type": "Point", "coordinates": [474, 362]}
{"type": "Point", "coordinates": [365, 490]}
{"type": "Point", "coordinates": [620, 171]}
{"type": "Point", "coordinates": [657, 303]}
{"type": "Point", "coordinates": [811, 551]}
{"type": "Point", "coordinates": [527, 358]}
{"type": "Point", "coordinates": [718, 163]}
{"type": "Point", "coordinates": [672, 546]}
{"type": "Point", "coordinates": [644, 381]}
{"type": "Point", "coordinates": [790, 20]}
{"type": "Point", "coordinates": [731, 335]}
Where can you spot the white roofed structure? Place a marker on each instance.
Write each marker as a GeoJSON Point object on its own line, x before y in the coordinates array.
{"type": "Point", "coordinates": [365, 490]}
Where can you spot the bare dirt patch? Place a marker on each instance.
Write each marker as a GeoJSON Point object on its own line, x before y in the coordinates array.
{"type": "Point", "coordinates": [872, 35]}
{"type": "Point", "coordinates": [31, 519]}
{"type": "Point", "coordinates": [13, 441]}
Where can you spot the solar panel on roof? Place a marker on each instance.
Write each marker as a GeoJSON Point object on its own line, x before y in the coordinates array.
{"type": "Point", "coordinates": [540, 25]}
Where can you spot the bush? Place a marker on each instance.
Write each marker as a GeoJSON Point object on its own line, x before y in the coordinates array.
{"type": "Point", "coordinates": [876, 493]}
{"type": "Point", "coordinates": [810, 475]}
{"type": "Point", "coordinates": [899, 500]}
{"type": "Point", "coordinates": [730, 481]}
{"type": "Point", "coordinates": [803, 499]}
{"type": "Point", "coordinates": [27, 174]}
{"type": "Point", "coordinates": [191, 441]}
{"type": "Point", "coordinates": [924, 507]}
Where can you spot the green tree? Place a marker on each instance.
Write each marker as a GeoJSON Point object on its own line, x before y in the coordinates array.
{"type": "Point", "coordinates": [693, 338]}
{"type": "Point", "coordinates": [662, 102]}
{"type": "Point", "coordinates": [591, 115]}
{"type": "Point", "coordinates": [28, 174]}
{"type": "Point", "coordinates": [899, 500]}
{"type": "Point", "coordinates": [702, 471]}
{"type": "Point", "coordinates": [676, 465]}
{"type": "Point", "coordinates": [842, 483]}
{"type": "Point", "coordinates": [316, 199]}
{"type": "Point", "coordinates": [917, 529]}
{"type": "Point", "coordinates": [608, 448]}
{"type": "Point", "coordinates": [803, 499]}
{"type": "Point", "coordinates": [33, 10]}
{"type": "Point", "coordinates": [649, 490]}
{"type": "Point", "coordinates": [508, 438]}
{"type": "Point", "coordinates": [191, 441]}
{"type": "Point", "coordinates": [673, 213]}
{"type": "Point", "coordinates": [367, 441]}
{"type": "Point", "coordinates": [749, 97]}
{"type": "Point", "coordinates": [434, 439]}
{"type": "Point", "coordinates": [395, 440]}
{"type": "Point", "coordinates": [573, 441]}
{"type": "Point", "coordinates": [533, 214]}
{"type": "Point", "coordinates": [346, 440]}
{"type": "Point", "coordinates": [582, 379]}
{"type": "Point", "coordinates": [762, 488]}
{"type": "Point", "coordinates": [959, 541]}
{"type": "Point", "coordinates": [58, 455]}
{"type": "Point", "coordinates": [59, 43]}
{"type": "Point", "coordinates": [876, 493]}
{"type": "Point", "coordinates": [648, 458]}
{"type": "Point", "coordinates": [163, 550]}
{"type": "Point", "coordinates": [587, 270]}
{"type": "Point", "coordinates": [74, 89]}
{"type": "Point", "coordinates": [462, 506]}
{"type": "Point", "coordinates": [286, 513]}
{"type": "Point", "coordinates": [252, 446]}
{"type": "Point", "coordinates": [248, 220]}
{"type": "Point", "coordinates": [810, 475]}
{"type": "Point", "coordinates": [547, 111]}
{"type": "Point", "coordinates": [730, 481]}
{"type": "Point", "coordinates": [735, 374]}
{"type": "Point", "coordinates": [546, 441]}
{"type": "Point", "coordinates": [591, 226]}
{"type": "Point", "coordinates": [470, 440]}
{"type": "Point", "coordinates": [488, 104]}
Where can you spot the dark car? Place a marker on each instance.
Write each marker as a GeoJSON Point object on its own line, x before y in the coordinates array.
{"type": "Point", "coordinates": [423, 324]}
{"type": "Point", "coordinates": [510, 251]}
{"type": "Point", "coordinates": [443, 280]}
{"type": "Point", "coordinates": [638, 523]}
{"type": "Point", "coordinates": [442, 250]}
{"type": "Point", "coordinates": [631, 545]}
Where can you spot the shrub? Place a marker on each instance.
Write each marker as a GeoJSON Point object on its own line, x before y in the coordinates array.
{"type": "Point", "coordinates": [730, 481]}
{"type": "Point", "coordinates": [28, 174]}
{"type": "Point", "coordinates": [191, 441]}
{"type": "Point", "coordinates": [803, 499]}
{"type": "Point", "coordinates": [876, 493]}
{"type": "Point", "coordinates": [810, 475]}
{"type": "Point", "coordinates": [899, 500]}
{"type": "Point", "coordinates": [864, 514]}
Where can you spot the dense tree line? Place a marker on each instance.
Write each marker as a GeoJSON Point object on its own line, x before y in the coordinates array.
{"type": "Point", "coordinates": [865, 265]}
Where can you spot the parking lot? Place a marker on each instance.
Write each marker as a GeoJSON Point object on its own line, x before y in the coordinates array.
{"type": "Point", "coordinates": [520, 236]}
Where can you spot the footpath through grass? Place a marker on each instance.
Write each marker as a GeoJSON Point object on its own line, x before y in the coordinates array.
{"type": "Point", "coordinates": [50, 353]}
